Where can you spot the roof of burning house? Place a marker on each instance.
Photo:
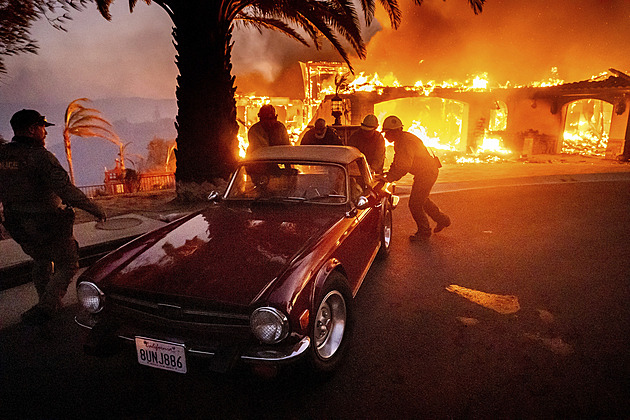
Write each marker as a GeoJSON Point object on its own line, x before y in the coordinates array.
{"type": "Point", "coordinates": [617, 80]}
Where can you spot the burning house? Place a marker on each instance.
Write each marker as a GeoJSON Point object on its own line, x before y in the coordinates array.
{"type": "Point", "coordinates": [469, 119]}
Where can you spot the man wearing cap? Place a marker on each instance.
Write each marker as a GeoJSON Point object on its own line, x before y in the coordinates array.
{"type": "Point", "coordinates": [37, 195]}
{"type": "Point", "coordinates": [321, 135]}
{"type": "Point", "coordinates": [370, 142]}
{"type": "Point", "coordinates": [268, 131]}
{"type": "Point", "coordinates": [412, 156]}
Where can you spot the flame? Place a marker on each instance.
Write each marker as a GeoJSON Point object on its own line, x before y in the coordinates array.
{"type": "Point", "coordinates": [370, 83]}
{"type": "Point", "coordinates": [243, 144]}
{"type": "Point", "coordinates": [587, 128]}
{"type": "Point", "coordinates": [290, 112]}
{"type": "Point", "coordinates": [492, 144]}
{"type": "Point", "coordinates": [430, 141]}
{"type": "Point", "coordinates": [440, 125]}
{"type": "Point", "coordinates": [480, 82]}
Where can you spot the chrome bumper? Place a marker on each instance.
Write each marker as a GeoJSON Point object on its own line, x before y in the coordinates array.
{"type": "Point", "coordinates": [282, 355]}
{"type": "Point", "coordinates": [254, 355]}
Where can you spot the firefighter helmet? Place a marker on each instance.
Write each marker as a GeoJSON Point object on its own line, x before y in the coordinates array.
{"type": "Point", "coordinates": [370, 122]}
{"type": "Point", "coordinates": [392, 123]}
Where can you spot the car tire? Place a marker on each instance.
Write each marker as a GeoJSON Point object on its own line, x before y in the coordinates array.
{"type": "Point", "coordinates": [387, 228]}
{"type": "Point", "coordinates": [332, 325]}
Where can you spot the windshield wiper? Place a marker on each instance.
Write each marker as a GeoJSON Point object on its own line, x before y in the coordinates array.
{"type": "Point", "coordinates": [279, 198]}
{"type": "Point", "coordinates": [323, 197]}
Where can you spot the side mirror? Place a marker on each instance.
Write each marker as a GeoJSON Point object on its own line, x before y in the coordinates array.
{"type": "Point", "coordinates": [214, 197]}
{"type": "Point", "coordinates": [363, 202]}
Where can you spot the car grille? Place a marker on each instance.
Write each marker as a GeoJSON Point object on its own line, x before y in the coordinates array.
{"type": "Point", "coordinates": [132, 307]}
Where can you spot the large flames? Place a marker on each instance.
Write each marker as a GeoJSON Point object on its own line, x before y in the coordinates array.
{"type": "Point", "coordinates": [438, 122]}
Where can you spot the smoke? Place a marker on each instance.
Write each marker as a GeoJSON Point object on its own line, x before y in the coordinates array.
{"type": "Point", "coordinates": [511, 41]}
{"type": "Point", "coordinates": [130, 56]}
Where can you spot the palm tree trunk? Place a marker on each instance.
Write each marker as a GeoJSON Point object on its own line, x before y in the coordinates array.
{"type": "Point", "coordinates": [207, 146]}
{"type": "Point", "coordinates": [66, 143]}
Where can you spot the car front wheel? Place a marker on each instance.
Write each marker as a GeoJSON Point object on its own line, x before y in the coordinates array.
{"type": "Point", "coordinates": [332, 325]}
{"type": "Point", "coordinates": [386, 233]}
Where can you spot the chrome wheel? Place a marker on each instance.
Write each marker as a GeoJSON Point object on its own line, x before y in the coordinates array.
{"type": "Point", "coordinates": [330, 324]}
{"type": "Point", "coordinates": [386, 233]}
{"type": "Point", "coordinates": [387, 229]}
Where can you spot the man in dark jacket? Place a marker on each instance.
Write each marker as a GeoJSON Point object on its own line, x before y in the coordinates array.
{"type": "Point", "coordinates": [268, 131]}
{"type": "Point", "coordinates": [321, 134]}
{"type": "Point", "coordinates": [370, 142]}
{"type": "Point", "coordinates": [36, 194]}
{"type": "Point", "coordinates": [411, 156]}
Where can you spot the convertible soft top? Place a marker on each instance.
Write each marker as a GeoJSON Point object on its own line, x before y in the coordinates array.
{"type": "Point", "coordinates": [332, 154]}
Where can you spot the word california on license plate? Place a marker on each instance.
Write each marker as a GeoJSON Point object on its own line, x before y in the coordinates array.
{"type": "Point", "coordinates": [161, 354]}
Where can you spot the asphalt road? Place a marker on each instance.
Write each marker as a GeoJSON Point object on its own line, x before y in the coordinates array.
{"type": "Point", "coordinates": [551, 341]}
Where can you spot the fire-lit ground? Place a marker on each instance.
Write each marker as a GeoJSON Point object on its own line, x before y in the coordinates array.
{"type": "Point", "coordinates": [537, 165]}
{"type": "Point", "coordinates": [517, 310]}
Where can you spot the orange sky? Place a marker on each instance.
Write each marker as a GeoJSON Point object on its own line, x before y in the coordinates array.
{"type": "Point", "coordinates": [518, 41]}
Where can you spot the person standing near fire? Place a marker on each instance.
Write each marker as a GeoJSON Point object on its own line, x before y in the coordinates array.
{"type": "Point", "coordinates": [321, 134]}
{"type": "Point", "coordinates": [37, 195]}
{"type": "Point", "coordinates": [370, 142]}
{"type": "Point", "coordinates": [412, 156]}
{"type": "Point", "coordinates": [268, 131]}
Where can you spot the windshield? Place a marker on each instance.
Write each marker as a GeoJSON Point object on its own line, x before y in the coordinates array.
{"type": "Point", "coordinates": [262, 181]}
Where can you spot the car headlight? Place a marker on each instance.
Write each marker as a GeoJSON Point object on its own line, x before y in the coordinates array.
{"type": "Point", "coordinates": [269, 325]}
{"type": "Point", "coordinates": [90, 297]}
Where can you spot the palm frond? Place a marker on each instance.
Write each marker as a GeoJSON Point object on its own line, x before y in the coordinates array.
{"type": "Point", "coordinates": [318, 19]}
{"type": "Point", "coordinates": [87, 122]}
{"type": "Point", "coordinates": [476, 5]}
{"type": "Point", "coordinates": [132, 4]}
{"type": "Point", "coordinates": [81, 120]}
{"type": "Point", "coordinates": [96, 131]}
{"type": "Point", "coordinates": [76, 104]}
{"type": "Point", "coordinates": [103, 8]}
{"type": "Point", "coordinates": [393, 11]}
{"type": "Point", "coordinates": [260, 23]}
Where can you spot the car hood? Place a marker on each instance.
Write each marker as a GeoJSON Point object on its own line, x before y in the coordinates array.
{"type": "Point", "coordinates": [227, 254]}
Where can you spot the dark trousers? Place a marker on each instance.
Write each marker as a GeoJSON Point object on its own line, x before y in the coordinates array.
{"type": "Point", "coordinates": [47, 238]}
{"type": "Point", "coordinates": [421, 205]}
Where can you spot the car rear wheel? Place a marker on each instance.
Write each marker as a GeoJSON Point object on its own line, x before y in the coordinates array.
{"type": "Point", "coordinates": [332, 325]}
{"type": "Point", "coordinates": [387, 228]}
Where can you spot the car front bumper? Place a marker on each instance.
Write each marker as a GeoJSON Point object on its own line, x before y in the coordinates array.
{"type": "Point", "coordinates": [99, 342]}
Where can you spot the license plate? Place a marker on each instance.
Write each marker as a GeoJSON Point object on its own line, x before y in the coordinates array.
{"type": "Point", "coordinates": [161, 354]}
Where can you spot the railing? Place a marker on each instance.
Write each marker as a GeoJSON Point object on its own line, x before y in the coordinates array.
{"type": "Point", "coordinates": [151, 182]}
{"type": "Point", "coordinates": [146, 182]}
{"type": "Point", "coordinates": [93, 190]}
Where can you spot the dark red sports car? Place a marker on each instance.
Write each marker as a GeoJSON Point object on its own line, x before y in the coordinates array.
{"type": "Point", "coordinates": [265, 274]}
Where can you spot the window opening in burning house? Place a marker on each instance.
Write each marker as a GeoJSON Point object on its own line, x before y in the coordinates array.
{"type": "Point", "coordinates": [491, 134]}
{"type": "Point", "coordinates": [443, 125]}
{"type": "Point", "coordinates": [437, 121]}
{"type": "Point", "coordinates": [587, 127]}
